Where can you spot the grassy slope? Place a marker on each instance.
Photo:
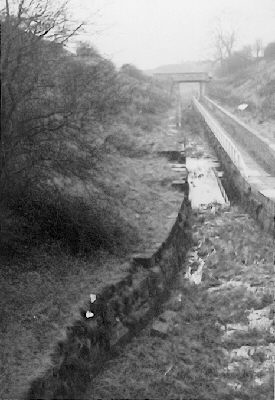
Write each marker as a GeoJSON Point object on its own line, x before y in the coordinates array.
{"type": "Point", "coordinates": [255, 86]}
{"type": "Point", "coordinates": [41, 292]}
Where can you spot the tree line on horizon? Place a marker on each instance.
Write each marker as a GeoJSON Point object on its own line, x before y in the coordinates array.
{"type": "Point", "coordinates": [230, 60]}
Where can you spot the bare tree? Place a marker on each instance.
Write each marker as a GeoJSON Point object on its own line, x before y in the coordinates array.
{"type": "Point", "coordinates": [33, 34]}
{"type": "Point", "coordinates": [258, 47]}
{"type": "Point", "coordinates": [224, 43]}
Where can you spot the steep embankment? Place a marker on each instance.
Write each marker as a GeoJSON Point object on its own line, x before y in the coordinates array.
{"type": "Point", "coordinates": [41, 292]}
{"type": "Point", "coordinates": [254, 86]}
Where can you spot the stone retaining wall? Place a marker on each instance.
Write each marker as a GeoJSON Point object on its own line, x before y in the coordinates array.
{"type": "Point", "coordinates": [113, 316]}
{"type": "Point", "coordinates": [258, 147]}
{"type": "Point", "coordinates": [239, 189]}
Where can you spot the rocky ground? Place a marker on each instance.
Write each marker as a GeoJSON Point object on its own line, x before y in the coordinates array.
{"type": "Point", "coordinates": [217, 341]}
{"type": "Point", "coordinates": [215, 338]}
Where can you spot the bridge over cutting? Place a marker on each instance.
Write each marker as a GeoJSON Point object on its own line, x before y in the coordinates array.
{"type": "Point", "coordinates": [186, 77]}
{"type": "Point", "coordinates": [252, 155]}
{"type": "Point", "coordinates": [176, 78]}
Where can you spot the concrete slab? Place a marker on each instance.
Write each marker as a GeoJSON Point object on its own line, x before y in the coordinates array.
{"type": "Point", "coordinates": [255, 172]}
{"type": "Point", "coordinates": [172, 216]}
{"type": "Point", "coordinates": [173, 131]}
{"type": "Point", "coordinates": [203, 184]}
{"type": "Point", "coordinates": [270, 193]}
{"type": "Point", "coordinates": [178, 166]}
{"type": "Point", "coordinates": [261, 183]}
{"type": "Point", "coordinates": [181, 170]}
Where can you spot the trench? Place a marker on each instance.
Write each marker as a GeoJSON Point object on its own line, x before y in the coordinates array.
{"type": "Point", "coordinates": [214, 337]}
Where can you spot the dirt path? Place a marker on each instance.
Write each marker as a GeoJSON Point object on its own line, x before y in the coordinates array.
{"type": "Point", "coordinates": [220, 342]}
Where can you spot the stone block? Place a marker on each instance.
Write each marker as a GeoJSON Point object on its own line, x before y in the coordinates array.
{"type": "Point", "coordinates": [120, 332]}
{"type": "Point", "coordinates": [174, 215]}
{"type": "Point", "coordinates": [155, 281]}
{"type": "Point", "coordinates": [156, 272]}
{"type": "Point", "coordinates": [172, 154]}
{"type": "Point", "coordinates": [145, 259]}
{"type": "Point", "coordinates": [182, 183]}
{"type": "Point", "coordinates": [160, 329]}
{"type": "Point", "coordinates": [183, 170]}
{"type": "Point", "coordinates": [168, 316]}
{"type": "Point", "coordinates": [178, 165]}
{"type": "Point", "coordinates": [182, 157]}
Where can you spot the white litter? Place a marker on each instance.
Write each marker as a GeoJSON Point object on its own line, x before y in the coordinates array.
{"type": "Point", "coordinates": [196, 277]}
{"type": "Point", "coordinates": [89, 314]}
{"type": "Point", "coordinates": [93, 298]}
{"type": "Point", "coordinates": [179, 298]}
{"type": "Point", "coordinates": [242, 107]}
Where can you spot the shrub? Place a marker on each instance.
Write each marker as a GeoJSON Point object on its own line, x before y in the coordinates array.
{"type": "Point", "coordinates": [78, 225]}
{"type": "Point", "coordinates": [57, 109]}
{"type": "Point", "coordinates": [237, 61]}
{"type": "Point", "coordinates": [269, 51]}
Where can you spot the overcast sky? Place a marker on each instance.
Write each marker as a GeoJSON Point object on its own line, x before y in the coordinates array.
{"type": "Point", "coordinates": [149, 33]}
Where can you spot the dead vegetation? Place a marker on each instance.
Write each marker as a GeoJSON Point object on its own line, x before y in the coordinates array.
{"type": "Point", "coordinates": [82, 184]}
{"type": "Point", "coordinates": [221, 343]}
{"type": "Point", "coordinates": [42, 288]}
{"type": "Point", "coordinates": [253, 86]}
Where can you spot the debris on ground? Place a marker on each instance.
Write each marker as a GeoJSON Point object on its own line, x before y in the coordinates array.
{"type": "Point", "coordinates": [242, 107]}
{"type": "Point", "coordinates": [219, 342]}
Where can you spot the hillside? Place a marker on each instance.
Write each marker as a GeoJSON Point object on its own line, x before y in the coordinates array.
{"type": "Point", "coordinates": [42, 291]}
{"type": "Point", "coordinates": [83, 185]}
{"type": "Point", "coordinates": [254, 86]}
